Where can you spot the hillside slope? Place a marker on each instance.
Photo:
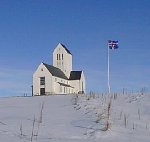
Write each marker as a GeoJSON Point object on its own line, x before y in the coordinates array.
{"type": "Point", "coordinates": [68, 118]}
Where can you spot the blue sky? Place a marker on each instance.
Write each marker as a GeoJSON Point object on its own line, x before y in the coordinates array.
{"type": "Point", "coordinates": [31, 29]}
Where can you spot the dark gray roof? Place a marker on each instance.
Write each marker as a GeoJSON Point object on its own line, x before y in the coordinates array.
{"type": "Point", "coordinates": [75, 75]}
{"type": "Point", "coordinates": [66, 48]}
{"type": "Point", "coordinates": [55, 71]}
{"type": "Point", "coordinates": [66, 85]}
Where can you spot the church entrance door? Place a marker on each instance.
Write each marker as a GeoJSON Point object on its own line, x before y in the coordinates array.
{"type": "Point", "coordinates": [42, 91]}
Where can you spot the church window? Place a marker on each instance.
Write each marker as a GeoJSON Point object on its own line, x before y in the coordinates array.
{"type": "Point", "coordinates": [42, 80]}
{"type": "Point", "coordinates": [64, 89]}
{"type": "Point", "coordinates": [62, 56]}
{"type": "Point", "coordinates": [59, 56]}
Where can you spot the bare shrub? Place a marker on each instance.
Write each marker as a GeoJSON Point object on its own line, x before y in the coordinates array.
{"type": "Point", "coordinates": [139, 115]}
{"type": "Point", "coordinates": [75, 100]}
{"type": "Point", "coordinates": [106, 116]}
{"type": "Point", "coordinates": [21, 129]}
{"type": "Point", "coordinates": [125, 120]}
{"type": "Point", "coordinates": [32, 133]}
{"type": "Point", "coordinates": [146, 125]}
{"type": "Point", "coordinates": [120, 116]}
{"type": "Point", "coordinates": [133, 126]}
{"type": "Point", "coordinates": [115, 96]}
{"type": "Point", "coordinates": [99, 117]}
{"type": "Point", "coordinates": [40, 119]}
{"type": "Point", "coordinates": [106, 127]}
{"type": "Point", "coordinates": [21, 133]}
{"type": "Point", "coordinates": [41, 113]}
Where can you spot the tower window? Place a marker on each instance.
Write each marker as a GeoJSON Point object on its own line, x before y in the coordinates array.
{"type": "Point", "coordinates": [62, 56]}
{"type": "Point", "coordinates": [59, 56]}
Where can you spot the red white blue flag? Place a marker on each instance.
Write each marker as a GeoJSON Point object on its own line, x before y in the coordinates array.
{"type": "Point", "coordinates": [113, 44]}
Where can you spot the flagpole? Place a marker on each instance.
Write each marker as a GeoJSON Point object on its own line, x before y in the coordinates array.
{"type": "Point", "coordinates": [112, 44]}
{"type": "Point", "coordinates": [108, 72]}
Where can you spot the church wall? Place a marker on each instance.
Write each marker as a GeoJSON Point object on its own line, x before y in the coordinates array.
{"type": "Point", "coordinates": [68, 64]}
{"type": "Point", "coordinates": [75, 84]}
{"type": "Point", "coordinates": [42, 72]}
{"type": "Point", "coordinates": [59, 89]}
{"type": "Point", "coordinates": [56, 85]}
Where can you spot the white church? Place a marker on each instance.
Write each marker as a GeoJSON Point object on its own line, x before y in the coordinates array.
{"type": "Point", "coordinates": [58, 78]}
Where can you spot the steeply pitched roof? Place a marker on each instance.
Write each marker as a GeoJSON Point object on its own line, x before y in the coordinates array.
{"type": "Point", "coordinates": [66, 48]}
{"type": "Point", "coordinates": [55, 71]}
{"type": "Point", "coordinates": [75, 75]}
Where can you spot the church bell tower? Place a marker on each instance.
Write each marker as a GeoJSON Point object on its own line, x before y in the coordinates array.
{"type": "Point", "coordinates": [62, 59]}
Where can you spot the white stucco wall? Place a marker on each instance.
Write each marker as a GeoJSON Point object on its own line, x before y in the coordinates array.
{"type": "Point", "coordinates": [75, 84]}
{"type": "Point", "coordinates": [57, 85]}
{"type": "Point", "coordinates": [42, 72]}
{"type": "Point", "coordinates": [59, 89]}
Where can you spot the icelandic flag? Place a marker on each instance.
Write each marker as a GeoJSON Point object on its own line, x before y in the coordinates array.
{"type": "Point", "coordinates": [113, 44]}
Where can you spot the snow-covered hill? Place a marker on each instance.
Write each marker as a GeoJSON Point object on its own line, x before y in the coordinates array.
{"type": "Point", "coordinates": [72, 118]}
